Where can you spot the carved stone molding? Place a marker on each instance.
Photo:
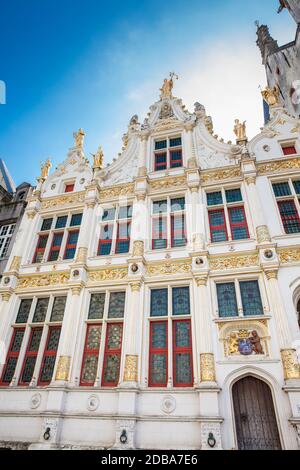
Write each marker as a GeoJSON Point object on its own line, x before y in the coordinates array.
{"type": "Point", "coordinates": [272, 275]}
{"type": "Point", "coordinates": [291, 367]}
{"type": "Point", "coordinates": [131, 368]}
{"type": "Point", "coordinates": [138, 248]}
{"type": "Point", "coordinates": [76, 290]}
{"type": "Point", "coordinates": [167, 183]}
{"type": "Point", "coordinates": [169, 268]}
{"type": "Point", "coordinates": [250, 180]}
{"type": "Point", "coordinates": [66, 200]}
{"type": "Point", "coordinates": [168, 404]}
{"type": "Point", "coordinates": [16, 263]}
{"type": "Point", "coordinates": [201, 281]}
{"type": "Point", "coordinates": [35, 401]}
{"type": "Point", "coordinates": [278, 166]}
{"type": "Point", "coordinates": [207, 368]}
{"type": "Point", "coordinates": [263, 234]}
{"type": "Point", "coordinates": [63, 368]}
{"type": "Point", "coordinates": [215, 430]}
{"type": "Point", "coordinates": [112, 274]}
{"type": "Point", "coordinates": [233, 262]}
{"type": "Point", "coordinates": [135, 286]}
{"type": "Point", "coordinates": [43, 280]}
{"type": "Point", "coordinates": [289, 255]}
{"type": "Point", "coordinates": [219, 175]}
{"type": "Point", "coordinates": [117, 191]}
{"type": "Point", "coordinates": [81, 255]}
{"type": "Point", "coordinates": [31, 214]}
{"type": "Point", "coordinates": [6, 296]}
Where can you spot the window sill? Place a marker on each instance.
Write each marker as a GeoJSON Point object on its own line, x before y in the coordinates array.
{"type": "Point", "coordinates": [232, 242]}
{"type": "Point", "coordinates": [243, 318]}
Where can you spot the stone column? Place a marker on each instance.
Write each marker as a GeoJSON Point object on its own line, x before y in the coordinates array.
{"type": "Point", "coordinates": [85, 232]}
{"type": "Point", "coordinates": [291, 367]}
{"type": "Point", "coordinates": [262, 231]}
{"type": "Point", "coordinates": [132, 338]}
{"type": "Point", "coordinates": [207, 361]}
{"type": "Point", "coordinates": [68, 337]}
{"type": "Point", "coordinates": [143, 154]}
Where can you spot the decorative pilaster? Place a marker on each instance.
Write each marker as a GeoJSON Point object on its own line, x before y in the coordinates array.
{"type": "Point", "coordinates": [85, 231]}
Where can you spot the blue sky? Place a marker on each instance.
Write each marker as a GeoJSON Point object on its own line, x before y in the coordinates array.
{"type": "Point", "coordinates": [93, 64]}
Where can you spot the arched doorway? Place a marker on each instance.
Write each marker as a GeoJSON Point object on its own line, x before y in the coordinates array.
{"type": "Point", "coordinates": [255, 418]}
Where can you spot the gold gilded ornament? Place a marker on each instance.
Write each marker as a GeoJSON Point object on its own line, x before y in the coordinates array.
{"type": "Point", "coordinates": [45, 168]}
{"type": "Point", "coordinates": [131, 368]}
{"type": "Point", "coordinates": [138, 248]}
{"type": "Point", "coordinates": [79, 138]}
{"type": "Point", "coordinates": [207, 368]}
{"type": "Point", "coordinates": [291, 367]}
{"type": "Point", "coordinates": [108, 275]}
{"type": "Point", "coordinates": [166, 89]}
{"type": "Point", "coordinates": [63, 368]}
{"type": "Point", "coordinates": [233, 262]}
{"type": "Point", "coordinates": [98, 159]}
{"type": "Point", "coordinates": [263, 234]}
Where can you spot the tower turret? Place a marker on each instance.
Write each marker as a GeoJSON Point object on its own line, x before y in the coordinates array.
{"type": "Point", "coordinates": [265, 42]}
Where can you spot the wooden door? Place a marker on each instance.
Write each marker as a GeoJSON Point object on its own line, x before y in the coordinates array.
{"type": "Point", "coordinates": [255, 418]}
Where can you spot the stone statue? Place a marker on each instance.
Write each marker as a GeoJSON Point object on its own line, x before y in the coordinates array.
{"type": "Point", "coordinates": [45, 168]}
{"type": "Point", "coordinates": [233, 343]}
{"type": "Point", "coordinates": [98, 159]}
{"type": "Point", "coordinates": [79, 138]}
{"type": "Point", "coordinates": [240, 130]}
{"type": "Point", "coordinates": [209, 124]}
{"type": "Point", "coordinates": [199, 110]}
{"type": "Point", "coordinates": [271, 96]}
{"type": "Point", "coordinates": [256, 344]}
{"type": "Point", "coordinates": [134, 120]}
{"type": "Point", "coordinates": [166, 90]}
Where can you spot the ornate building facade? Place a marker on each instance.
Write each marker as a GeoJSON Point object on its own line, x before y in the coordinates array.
{"type": "Point", "coordinates": [152, 303]}
{"type": "Point", "coordinates": [282, 63]}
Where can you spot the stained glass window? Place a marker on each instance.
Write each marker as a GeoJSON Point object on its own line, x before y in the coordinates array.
{"type": "Point", "coordinates": [297, 186]}
{"type": "Point", "coordinates": [251, 298]}
{"type": "Point", "coordinates": [31, 356]}
{"type": "Point", "coordinates": [61, 222]}
{"type": "Point", "coordinates": [76, 220]}
{"type": "Point", "coordinates": [159, 303]}
{"type": "Point", "coordinates": [50, 356]}
{"type": "Point", "coordinates": [217, 226]}
{"type": "Point", "coordinates": [71, 245]}
{"type": "Point", "coordinates": [227, 300]}
{"type": "Point", "coordinates": [178, 204]}
{"type": "Point", "coordinates": [109, 214]}
{"type": "Point", "coordinates": [183, 373]}
{"type": "Point", "coordinates": [58, 309]}
{"type": "Point", "coordinates": [178, 237]}
{"type": "Point", "coordinates": [238, 223]}
{"type": "Point", "coordinates": [233, 195]}
{"type": "Point", "coordinates": [282, 189]}
{"type": "Point", "coordinates": [112, 357]}
{"type": "Point", "coordinates": [176, 142]}
{"type": "Point", "coordinates": [40, 310]}
{"type": "Point", "coordinates": [24, 310]}
{"type": "Point", "coordinates": [160, 206]}
{"type": "Point", "coordinates": [40, 249]}
{"type": "Point", "coordinates": [55, 247]}
{"type": "Point", "coordinates": [116, 305]}
{"type": "Point", "coordinates": [96, 309]}
{"type": "Point", "coordinates": [159, 236]}
{"type": "Point", "coordinates": [214, 199]}
{"type": "Point", "coordinates": [158, 360]}
{"type": "Point", "coordinates": [91, 353]}
{"type": "Point", "coordinates": [125, 212]}
{"type": "Point", "coordinates": [289, 216]}
{"type": "Point", "coordinates": [181, 300]}
{"type": "Point", "coordinates": [12, 356]}
{"type": "Point", "coordinates": [46, 225]}
{"type": "Point", "coordinates": [162, 144]}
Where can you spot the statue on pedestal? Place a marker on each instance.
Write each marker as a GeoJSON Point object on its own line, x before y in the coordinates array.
{"type": "Point", "coordinates": [79, 138]}
{"type": "Point", "coordinates": [240, 130]}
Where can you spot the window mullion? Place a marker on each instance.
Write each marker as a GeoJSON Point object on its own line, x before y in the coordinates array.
{"type": "Point", "coordinates": [239, 298]}
{"type": "Point", "coordinates": [170, 340]}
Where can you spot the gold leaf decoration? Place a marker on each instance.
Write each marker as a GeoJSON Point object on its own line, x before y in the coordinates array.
{"type": "Point", "coordinates": [43, 280]}
{"type": "Point", "coordinates": [290, 255]}
{"type": "Point", "coordinates": [116, 191]}
{"type": "Point", "coordinates": [167, 183]}
{"type": "Point", "coordinates": [168, 268]}
{"type": "Point", "coordinates": [219, 175]}
{"type": "Point", "coordinates": [108, 275]}
{"type": "Point", "coordinates": [233, 262]}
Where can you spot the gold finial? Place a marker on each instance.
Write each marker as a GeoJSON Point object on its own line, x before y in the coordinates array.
{"type": "Point", "coordinates": [240, 130]}
{"type": "Point", "coordinates": [166, 89]}
{"type": "Point", "coordinates": [98, 159]}
{"type": "Point", "coordinates": [79, 138]}
{"type": "Point", "coordinates": [45, 168]}
{"type": "Point", "coordinates": [271, 95]}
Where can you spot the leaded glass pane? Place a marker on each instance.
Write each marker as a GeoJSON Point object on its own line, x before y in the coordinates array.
{"type": "Point", "coordinates": [61, 221]}
{"type": "Point", "coordinates": [297, 186]}
{"type": "Point", "coordinates": [94, 337]}
{"type": "Point", "coordinates": [160, 206]}
{"type": "Point", "coordinates": [76, 220]}
{"type": "Point", "coordinates": [290, 217]}
{"type": "Point", "coordinates": [109, 214]}
{"type": "Point", "coordinates": [115, 333]}
{"type": "Point", "coordinates": [28, 369]}
{"type": "Point", "coordinates": [282, 189]}
{"type": "Point", "coordinates": [35, 340]}
{"type": "Point", "coordinates": [159, 303]}
{"type": "Point", "coordinates": [24, 310]}
{"type": "Point", "coordinates": [251, 298]}
{"type": "Point", "coordinates": [116, 305]}
{"type": "Point", "coordinates": [96, 309]}
{"type": "Point", "coordinates": [125, 212]}
{"type": "Point", "coordinates": [17, 341]}
{"type": "Point", "coordinates": [89, 369]}
{"type": "Point", "coordinates": [183, 369]}
{"type": "Point", "coordinates": [178, 204]}
{"type": "Point", "coordinates": [107, 232]}
{"type": "Point", "coordinates": [158, 367]}
{"type": "Point", "coordinates": [159, 338]}
{"type": "Point", "coordinates": [53, 339]}
{"type": "Point", "coordinates": [181, 300]}
{"type": "Point", "coordinates": [40, 310]}
{"type": "Point", "coordinates": [214, 199]}
{"type": "Point", "coordinates": [46, 225]}
{"type": "Point", "coordinates": [112, 368]}
{"type": "Point", "coordinates": [58, 309]}
{"type": "Point", "coordinates": [162, 144]}
{"type": "Point", "coordinates": [47, 370]}
{"type": "Point", "coordinates": [10, 370]}
{"type": "Point", "coordinates": [233, 195]}
{"type": "Point", "coordinates": [175, 142]}
{"type": "Point", "coordinates": [182, 334]}
{"type": "Point", "coordinates": [227, 300]}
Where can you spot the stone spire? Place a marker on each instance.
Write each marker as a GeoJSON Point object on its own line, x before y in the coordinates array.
{"type": "Point", "coordinates": [292, 6]}
{"type": "Point", "coordinates": [265, 42]}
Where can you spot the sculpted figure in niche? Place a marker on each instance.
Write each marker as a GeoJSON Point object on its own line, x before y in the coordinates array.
{"type": "Point", "coordinates": [256, 343]}
{"type": "Point", "coordinates": [233, 343]}
{"type": "Point", "coordinates": [166, 89]}
{"type": "Point", "coordinates": [79, 138]}
{"type": "Point", "coordinates": [271, 96]}
{"type": "Point", "coordinates": [98, 158]}
{"type": "Point", "coordinates": [240, 130]}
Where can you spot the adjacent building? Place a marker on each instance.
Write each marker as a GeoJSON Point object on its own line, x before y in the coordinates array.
{"type": "Point", "coordinates": [12, 206]}
{"type": "Point", "coordinates": [282, 63]}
